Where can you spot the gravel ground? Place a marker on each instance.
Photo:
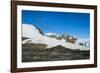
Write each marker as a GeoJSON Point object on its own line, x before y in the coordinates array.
{"type": "Point", "coordinates": [58, 53]}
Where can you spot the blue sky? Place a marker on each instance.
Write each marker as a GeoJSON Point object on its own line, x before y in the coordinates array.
{"type": "Point", "coordinates": [76, 24]}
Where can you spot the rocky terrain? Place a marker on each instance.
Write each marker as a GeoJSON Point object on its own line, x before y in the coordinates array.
{"type": "Point", "coordinates": [33, 53]}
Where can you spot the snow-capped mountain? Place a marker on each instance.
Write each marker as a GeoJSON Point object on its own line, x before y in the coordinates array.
{"type": "Point", "coordinates": [64, 36]}
{"type": "Point", "coordinates": [34, 35]}
{"type": "Point", "coordinates": [52, 34]}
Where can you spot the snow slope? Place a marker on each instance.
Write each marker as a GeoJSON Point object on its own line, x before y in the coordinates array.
{"type": "Point", "coordinates": [33, 33]}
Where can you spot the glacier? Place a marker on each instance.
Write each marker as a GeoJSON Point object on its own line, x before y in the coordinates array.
{"type": "Point", "coordinates": [35, 37]}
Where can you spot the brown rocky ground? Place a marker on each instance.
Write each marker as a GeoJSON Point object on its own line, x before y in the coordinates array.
{"type": "Point", "coordinates": [38, 52]}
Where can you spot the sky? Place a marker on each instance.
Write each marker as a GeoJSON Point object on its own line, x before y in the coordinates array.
{"type": "Point", "coordinates": [75, 24]}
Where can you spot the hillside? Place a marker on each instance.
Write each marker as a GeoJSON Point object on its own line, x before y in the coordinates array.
{"type": "Point", "coordinates": [31, 54]}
